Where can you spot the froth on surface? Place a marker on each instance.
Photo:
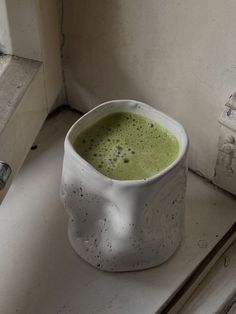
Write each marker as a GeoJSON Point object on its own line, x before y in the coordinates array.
{"type": "Point", "coordinates": [127, 146]}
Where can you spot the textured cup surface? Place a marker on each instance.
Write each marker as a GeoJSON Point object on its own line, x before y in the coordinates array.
{"type": "Point", "coordinates": [124, 225]}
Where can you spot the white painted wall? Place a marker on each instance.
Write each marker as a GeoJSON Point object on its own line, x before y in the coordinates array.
{"type": "Point", "coordinates": [19, 31]}
{"type": "Point", "coordinates": [49, 23]}
{"type": "Point", "coordinates": [5, 42]}
{"type": "Point", "coordinates": [177, 55]}
{"type": "Point", "coordinates": [31, 29]}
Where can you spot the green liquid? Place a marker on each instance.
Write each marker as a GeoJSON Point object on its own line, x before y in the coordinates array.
{"type": "Point", "coordinates": [127, 146]}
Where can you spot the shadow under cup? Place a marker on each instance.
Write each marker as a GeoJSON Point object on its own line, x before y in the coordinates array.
{"type": "Point", "coordinates": [125, 225]}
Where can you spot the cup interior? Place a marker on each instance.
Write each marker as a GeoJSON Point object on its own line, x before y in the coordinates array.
{"type": "Point", "coordinates": [133, 106]}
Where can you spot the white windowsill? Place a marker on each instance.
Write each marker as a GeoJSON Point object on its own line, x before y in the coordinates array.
{"type": "Point", "coordinates": [16, 75]}
{"type": "Point", "coordinates": [23, 109]}
{"type": "Point", "coordinates": [40, 273]}
{"type": "Point", "coordinates": [217, 293]}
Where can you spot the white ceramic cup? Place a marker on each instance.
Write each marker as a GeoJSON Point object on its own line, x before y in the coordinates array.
{"type": "Point", "coordinates": [125, 225]}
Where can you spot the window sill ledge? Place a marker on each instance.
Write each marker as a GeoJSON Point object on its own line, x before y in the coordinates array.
{"type": "Point", "coordinates": [23, 109]}
{"type": "Point", "coordinates": [38, 261]}
{"type": "Point", "coordinates": [16, 74]}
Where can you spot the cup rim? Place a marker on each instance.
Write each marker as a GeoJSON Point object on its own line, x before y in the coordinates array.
{"type": "Point", "coordinates": [130, 102]}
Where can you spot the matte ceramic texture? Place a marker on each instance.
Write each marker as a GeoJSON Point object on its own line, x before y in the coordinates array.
{"type": "Point", "coordinates": [124, 225]}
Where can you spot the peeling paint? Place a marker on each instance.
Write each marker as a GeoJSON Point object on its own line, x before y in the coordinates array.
{"type": "Point", "coordinates": [225, 169]}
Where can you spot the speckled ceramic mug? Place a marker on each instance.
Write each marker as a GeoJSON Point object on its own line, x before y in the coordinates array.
{"type": "Point", "coordinates": [124, 225]}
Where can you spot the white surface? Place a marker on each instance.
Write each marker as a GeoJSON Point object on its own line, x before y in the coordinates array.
{"type": "Point", "coordinates": [50, 37]}
{"type": "Point", "coordinates": [19, 30]}
{"type": "Point", "coordinates": [23, 109]}
{"type": "Point", "coordinates": [41, 274]}
{"type": "Point", "coordinates": [17, 74]}
{"type": "Point", "coordinates": [5, 40]}
{"type": "Point", "coordinates": [137, 224]}
{"type": "Point", "coordinates": [4, 62]}
{"type": "Point", "coordinates": [179, 56]}
{"type": "Point", "coordinates": [31, 29]}
{"type": "Point", "coordinates": [217, 293]}
{"type": "Point", "coordinates": [225, 171]}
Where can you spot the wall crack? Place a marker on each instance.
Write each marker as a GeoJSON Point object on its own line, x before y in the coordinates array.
{"type": "Point", "coordinates": [62, 46]}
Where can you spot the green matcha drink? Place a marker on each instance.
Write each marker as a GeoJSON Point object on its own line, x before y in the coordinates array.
{"type": "Point", "coordinates": [127, 146]}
